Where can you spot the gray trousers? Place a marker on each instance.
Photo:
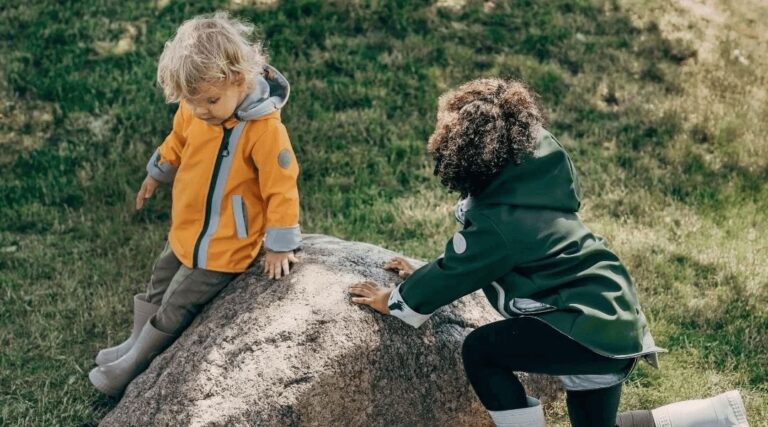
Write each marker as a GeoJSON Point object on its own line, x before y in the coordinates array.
{"type": "Point", "coordinates": [181, 292]}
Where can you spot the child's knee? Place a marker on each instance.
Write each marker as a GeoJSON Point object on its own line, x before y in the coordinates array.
{"type": "Point", "coordinates": [473, 349]}
{"type": "Point", "coordinates": [173, 319]}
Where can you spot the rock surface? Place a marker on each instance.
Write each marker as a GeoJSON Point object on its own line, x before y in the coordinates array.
{"type": "Point", "coordinates": [297, 352]}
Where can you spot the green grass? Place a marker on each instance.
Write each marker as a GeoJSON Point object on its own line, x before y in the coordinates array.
{"type": "Point", "coordinates": [677, 195]}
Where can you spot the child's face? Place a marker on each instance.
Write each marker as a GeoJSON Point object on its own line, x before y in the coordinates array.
{"type": "Point", "coordinates": [215, 103]}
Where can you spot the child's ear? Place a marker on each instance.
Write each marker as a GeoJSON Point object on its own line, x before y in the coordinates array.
{"type": "Point", "coordinates": [238, 80]}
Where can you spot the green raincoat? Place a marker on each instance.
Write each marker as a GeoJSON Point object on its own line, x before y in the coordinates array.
{"type": "Point", "coordinates": [524, 245]}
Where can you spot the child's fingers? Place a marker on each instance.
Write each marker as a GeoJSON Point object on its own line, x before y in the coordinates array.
{"type": "Point", "coordinates": [398, 264]}
{"type": "Point", "coordinates": [403, 274]}
{"type": "Point", "coordinates": [366, 301]}
{"type": "Point", "coordinates": [286, 267]}
{"type": "Point", "coordinates": [362, 286]}
{"type": "Point", "coordinates": [278, 269]}
{"type": "Point", "coordinates": [391, 264]}
{"type": "Point", "coordinates": [140, 198]}
{"type": "Point", "coordinates": [369, 287]}
{"type": "Point", "coordinates": [145, 192]}
{"type": "Point", "coordinates": [360, 291]}
{"type": "Point", "coordinates": [292, 258]}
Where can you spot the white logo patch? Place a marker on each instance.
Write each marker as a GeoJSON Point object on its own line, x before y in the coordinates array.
{"type": "Point", "coordinates": [459, 243]}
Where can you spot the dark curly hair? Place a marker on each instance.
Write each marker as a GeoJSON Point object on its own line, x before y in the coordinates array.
{"type": "Point", "coordinates": [483, 125]}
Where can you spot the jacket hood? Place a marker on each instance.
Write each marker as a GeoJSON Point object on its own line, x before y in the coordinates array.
{"type": "Point", "coordinates": [545, 179]}
{"type": "Point", "coordinates": [271, 94]}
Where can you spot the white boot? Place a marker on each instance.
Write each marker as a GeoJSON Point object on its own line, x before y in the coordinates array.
{"type": "Point", "coordinates": [111, 379]}
{"type": "Point", "coordinates": [532, 416]}
{"type": "Point", "coordinates": [723, 410]}
{"type": "Point", "coordinates": [142, 311]}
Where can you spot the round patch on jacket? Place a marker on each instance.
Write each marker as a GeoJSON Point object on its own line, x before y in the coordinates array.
{"type": "Point", "coordinates": [284, 158]}
{"type": "Point", "coordinates": [459, 243]}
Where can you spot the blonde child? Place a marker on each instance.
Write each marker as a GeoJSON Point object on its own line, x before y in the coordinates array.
{"type": "Point", "coordinates": [234, 184]}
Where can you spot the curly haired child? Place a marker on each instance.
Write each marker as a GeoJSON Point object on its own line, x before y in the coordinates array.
{"type": "Point", "coordinates": [234, 186]}
{"type": "Point", "coordinates": [570, 306]}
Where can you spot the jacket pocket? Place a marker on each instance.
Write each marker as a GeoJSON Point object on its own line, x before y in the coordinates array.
{"type": "Point", "coordinates": [241, 216]}
{"type": "Point", "coordinates": [523, 306]}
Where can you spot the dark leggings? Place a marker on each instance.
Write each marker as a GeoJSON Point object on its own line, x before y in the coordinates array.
{"type": "Point", "coordinates": [494, 351]}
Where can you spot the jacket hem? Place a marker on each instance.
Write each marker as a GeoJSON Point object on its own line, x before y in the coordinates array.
{"type": "Point", "coordinates": [642, 353]}
{"type": "Point", "coordinates": [596, 381]}
{"type": "Point", "coordinates": [187, 262]}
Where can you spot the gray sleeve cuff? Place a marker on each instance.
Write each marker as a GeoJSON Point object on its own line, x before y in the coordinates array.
{"type": "Point", "coordinates": [399, 309]}
{"type": "Point", "coordinates": [282, 239]}
{"type": "Point", "coordinates": [162, 172]}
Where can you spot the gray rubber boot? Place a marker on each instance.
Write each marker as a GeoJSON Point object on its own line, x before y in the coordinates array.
{"type": "Point", "coordinates": [142, 311]}
{"type": "Point", "coordinates": [723, 410]}
{"type": "Point", "coordinates": [113, 378]}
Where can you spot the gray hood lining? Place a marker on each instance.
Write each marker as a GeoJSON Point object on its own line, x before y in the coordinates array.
{"type": "Point", "coordinates": [270, 94]}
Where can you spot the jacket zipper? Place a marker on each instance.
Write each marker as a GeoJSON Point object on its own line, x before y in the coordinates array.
{"type": "Point", "coordinates": [207, 220]}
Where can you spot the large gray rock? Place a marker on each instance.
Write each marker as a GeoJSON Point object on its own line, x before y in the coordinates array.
{"type": "Point", "coordinates": [297, 352]}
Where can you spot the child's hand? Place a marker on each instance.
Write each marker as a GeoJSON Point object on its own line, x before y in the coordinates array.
{"type": "Point", "coordinates": [277, 264]}
{"type": "Point", "coordinates": [148, 188]}
{"type": "Point", "coordinates": [403, 267]}
{"type": "Point", "coordinates": [369, 293]}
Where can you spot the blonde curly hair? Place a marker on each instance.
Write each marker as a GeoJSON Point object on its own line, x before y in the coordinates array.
{"type": "Point", "coordinates": [209, 49]}
{"type": "Point", "coordinates": [482, 126]}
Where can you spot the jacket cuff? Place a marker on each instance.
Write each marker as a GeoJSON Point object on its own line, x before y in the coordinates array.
{"type": "Point", "coordinates": [401, 310]}
{"type": "Point", "coordinates": [163, 172]}
{"type": "Point", "coordinates": [282, 239]}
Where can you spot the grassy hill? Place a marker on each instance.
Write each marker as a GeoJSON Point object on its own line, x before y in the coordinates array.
{"type": "Point", "coordinates": [662, 106]}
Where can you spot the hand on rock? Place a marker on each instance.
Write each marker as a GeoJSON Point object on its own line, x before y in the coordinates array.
{"type": "Point", "coordinates": [369, 293]}
{"type": "Point", "coordinates": [278, 264]}
{"type": "Point", "coordinates": [404, 268]}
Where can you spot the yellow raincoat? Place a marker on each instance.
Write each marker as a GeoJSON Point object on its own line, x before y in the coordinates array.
{"type": "Point", "coordinates": [234, 185]}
